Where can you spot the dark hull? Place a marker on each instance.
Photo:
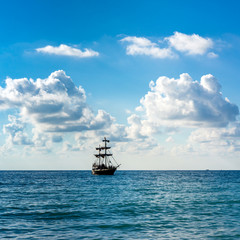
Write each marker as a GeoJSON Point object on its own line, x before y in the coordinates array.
{"type": "Point", "coordinates": [103, 171]}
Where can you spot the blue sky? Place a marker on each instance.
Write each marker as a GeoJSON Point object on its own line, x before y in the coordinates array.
{"type": "Point", "coordinates": [73, 72]}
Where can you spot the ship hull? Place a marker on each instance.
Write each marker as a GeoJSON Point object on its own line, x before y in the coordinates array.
{"type": "Point", "coordinates": [103, 171]}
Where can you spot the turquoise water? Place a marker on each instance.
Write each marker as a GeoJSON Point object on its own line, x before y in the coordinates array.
{"type": "Point", "coordinates": [128, 205]}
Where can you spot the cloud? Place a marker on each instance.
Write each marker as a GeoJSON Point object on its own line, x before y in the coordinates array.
{"type": "Point", "coordinates": [143, 46]}
{"type": "Point", "coordinates": [42, 141]}
{"type": "Point", "coordinates": [53, 104]}
{"type": "Point", "coordinates": [212, 55]}
{"type": "Point", "coordinates": [115, 132]}
{"type": "Point", "coordinates": [57, 138]}
{"type": "Point", "coordinates": [217, 138]}
{"type": "Point", "coordinates": [15, 132]}
{"type": "Point", "coordinates": [51, 108]}
{"type": "Point", "coordinates": [178, 42]}
{"type": "Point", "coordinates": [64, 50]}
{"type": "Point", "coordinates": [190, 44]}
{"type": "Point", "coordinates": [186, 103]}
{"type": "Point", "coordinates": [139, 128]}
{"type": "Point", "coordinates": [169, 139]}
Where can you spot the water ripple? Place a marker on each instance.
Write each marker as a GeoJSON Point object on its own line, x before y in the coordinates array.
{"type": "Point", "coordinates": [129, 205]}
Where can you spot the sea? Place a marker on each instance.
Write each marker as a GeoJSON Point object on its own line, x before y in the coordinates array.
{"type": "Point", "coordinates": [128, 205]}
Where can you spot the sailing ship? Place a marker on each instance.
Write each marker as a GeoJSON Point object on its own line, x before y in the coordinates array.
{"type": "Point", "coordinates": [103, 164]}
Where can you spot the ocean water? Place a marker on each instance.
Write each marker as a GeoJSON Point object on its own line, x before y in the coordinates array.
{"type": "Point", "coordinates": [128, 205]}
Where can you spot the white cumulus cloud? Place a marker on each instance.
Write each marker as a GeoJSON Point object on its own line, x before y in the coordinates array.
{"type": "Point", "coordinates": [187, 103]}
{"type": "Point", "coordinates": [64, 50]}
{"type": "Point", "coordinates": [53, 104]}
{"type": "Point", "coordinates": [190, 44]}
{"type": "Point", "coordinates": [178, 42]}
{"type": "Point", "coordinates": [143, 46]}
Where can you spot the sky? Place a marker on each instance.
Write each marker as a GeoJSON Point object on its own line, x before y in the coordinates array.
{"type": "Point", "coordinates": [160, 79]}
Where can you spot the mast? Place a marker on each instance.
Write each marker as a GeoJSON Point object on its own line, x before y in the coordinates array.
{"type": "Point", "coordinates": [103, 155]}
{"type": "Point", "coordinates": [99, 155]}
{"type": "Point", "coordinates": [103, 165]}
{"type": "Point", "coordinates": [105, 150]}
